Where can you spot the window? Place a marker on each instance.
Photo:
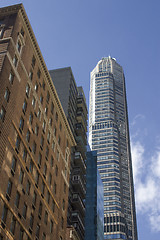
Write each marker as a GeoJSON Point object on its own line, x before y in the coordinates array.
{"type": "Point", "coordinates": [54, 188]}
{"type": "Point", "coordinates": [46, 217]}
{"type": "Point", "coordinates": [31, 166]}
{"type": "Point", "coordinates": [19, 46]}
{"type": "Point", "coordinates": [34, 198]}
{"type": "Point", "coordinates": [17, 199]}
{"type": "Point", "coordinates": [52, 107]}
{"type": "Point", "coordinates": [22, 32]}
{"type": "Point", "coordinates": [13, 225]}
{"type": "Point", "coordinates": [31, 221]}
{"type": "Point", "coordinates": [11, 77]}
{"type": "Point", "coordinates": [46, 110]}
{"type": "Point", "coordinates": [39, 159]}
{"type": "Point", "coordinates": [36, 129]}
{"type": "Point", "coordinates": [43, 85]}
{"type": "Point", "coordinates": [13, 166]}
{"type": "Point", "coordinates": [28, 187]}
{"type": "Point", "coordinates": [21, 175]}
{"type": "Point", "coordinates": [33, 61]}
{"type": "Point", "coordinates": [27, 90]}
{"type": "Point", "coordinates": [33, 102]}
{"type": "Point", "coordinates": [59, 140]}
{"type": "Point", "coordinates": [39, 73]}
{"type": "Point", "coordinates": [50, 179]}
{"type": "Point", "coordinates": [31, 75]}
{"type": "Point", "coordinates": [53, 206]}
{"type": "Point", "coordinates": [31, 118]}
{"type": "Point", "coordinates": [55, 131]}
{"type": "Point", "coordinates": [24, 213]}
{"type": "Point", "coordinates": [4, 213]}
{"type": "Point", "coordinates": [18, 141]}
{"type": "Point", "coordinates": [2, 114]}
{"type": "Point", "coordinates": [53, 145]}
{"type": "Point", "coordinates": [50, 121]}
{"type": "Point", "coordinates": [47, 152]}
{"type": "Point", "coordinates": [21, 123]}
{"type": "Point", "coordinates": [48, 197]}
{"type": "Point", "coordinates": [57, 156]}
{"type": "Point", "coordinates": [41, 99]}
{"type": "Point", "coordinates": [44, 236]}
{"type": "Point", "coordinates": [51, 226]}
{"type": "Point", "coordinates": [21, 234]}
{"type": "Point", "coordinates": [37, 177]}
{"type": "Point", "coordinates": [64, 187]}
{"type": "Point", "coordinates": [37, 230]}
{"type": "Point", "coordinates": [43, 187]}
{"type": "Point", "coordinates": [7, 94]}
{"type": "Point", "coordinates": [36, 87]}
{"type": "Point", "coordinates": [34, 146]}
{"type": "Point", "coordinates": [39, 114]}
{"type": "Point", "coordinates": [9, 188]}
{"type": "Point", "coordinates": [48, 97]}
{"type": "Point", "coordinates": [56, 170]}
{"type": "Point", "coordinates": [42, 141]}
{"type": "Point", "coordinates": [63, 205]}
{"type": "Point", "coordinates": [24, 107]}
{"type": "Point", "coordinates": [15, 60]}
{"type": "Point", "coordinates": [52, 161]}
{"type": "Point", "coordinates": [28, 136]}
{"type": "Point", "coordinates": [40, 209]}
{"type": "Point", "coordinates": [56, 116]}
{"type": "Point", "coordinates": [48, 136]}
{"type": "Point", "coordinates": [44, 125]}
{"type": "Point", "coordinates": [62, 222]}
{"type": "Point", "coordinates": [45, 170]}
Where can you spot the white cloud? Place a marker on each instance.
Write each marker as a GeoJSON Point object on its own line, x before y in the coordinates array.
{"type": "Point", "coordinates": [147, 182]}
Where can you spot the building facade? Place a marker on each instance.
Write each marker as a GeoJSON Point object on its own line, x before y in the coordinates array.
{"type": "Point", "coordinates": [109, 135]}
{"type": "Point", "coordinates": [94, 218]}
{"type": "Point", "coordinates": [35, 137]}
{"type": "Point", "coordinates": [74, 103]}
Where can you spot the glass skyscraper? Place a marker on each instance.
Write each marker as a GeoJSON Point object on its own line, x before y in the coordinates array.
{"type": "Point", "coordinates": [109, 135]}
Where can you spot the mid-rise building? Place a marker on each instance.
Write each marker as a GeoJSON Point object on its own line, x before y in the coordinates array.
{"type": "Point", "coordinates": [73, 101]}
{"type": "Point", "coordinates": [35, 137]}
{"type": "Point", "coordinates": [109, 135]}
{"type": "Point", "coordinates": [94, 218]}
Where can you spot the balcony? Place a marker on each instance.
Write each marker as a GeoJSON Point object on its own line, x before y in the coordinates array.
{"type": "Point", "coordinates": [79, 160]}
{"type": "Point", "coordinates": [76, 218]}
{"type": "Point", "coordinates": [78, 203]}
{"type": "Point", "coordinates": [78, 182]}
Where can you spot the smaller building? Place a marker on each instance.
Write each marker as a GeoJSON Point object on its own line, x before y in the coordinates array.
{"type": "Point", "coordinates": [94, 219]}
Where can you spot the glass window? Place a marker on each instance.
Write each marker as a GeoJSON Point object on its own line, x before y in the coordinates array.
{"type": "Point", "coordinates": [24, 213]}
{"type": "Point", "coordinates": [34, 198]}
{"type": "Point", "coordinates": [18, 141]}
{"type": "Point", "coordinates": [4, 213]}
{"type": "Point", "coordinates": [7, 94]}
{"type": "Point", "coordinates": [27, 90]}
{"type": "Point", "coordinates": [40, 208]}
{"type": "Point", "coordinates": [2, 114]}
{"type": "Point", "coordinates": [36, 129]}
{"type": "Point", "coordinates": [36, 87]}
{"type": "Point", "coordinates": [48, 97]}
{"type": "Point", "coordinates": [13, 166]}
{"type": "Point", "coordinates": [31, 118]}
{"type": "Point", "coordinates": [31, 221]}
{"type": "Point", "coordinates": [15, 60]}
{"type": "Point", "coordinates": [21, 175]}
{"type": "Point", "coordinates": [37, 231]}
{"type": "Point", "coordinates": [31, 75]}
{"type": "Point", "coordinates": [19, 46]}
{"type": "Point", "coordinates": [9, 188]}
{"type": "Point", "coordinates": [13, 225]}
{"type": "Point", "coordinates": [21, 123]}
{"type": "Point", "coordinates": [28, 136]}
{"type": "Point", "coordinates": [51, 226]}
{"type": "Point", "coordinates": [33, 61]}
{"type": "Point", "coordinates": [39, 73]}
{"type": "Point", "coordinates": [34, 146]}
{"type": "Point", "coordinates": [11, 77]}
{"type": "Point", "coordinates": [28, 187]}
{"type": "Point", "coordinates": [46, 217]}
{"type": "Point", "coordinates": [17, 200]}
{"type": "Point", "coordinates": [24, 107]}
{"type": "Point", "coordinates": [39, 159]}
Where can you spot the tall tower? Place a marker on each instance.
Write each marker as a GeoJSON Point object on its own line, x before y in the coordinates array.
{"type": "Point", "coordinates": [109, 135]}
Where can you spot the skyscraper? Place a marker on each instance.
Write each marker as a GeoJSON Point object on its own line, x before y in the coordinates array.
{"type": "Point", "coordinates": [35, 137]}
{"type": "Point", "coordinates": [109, 135]}
{"type": "Point", "coordinates": [94, 216]}
{"type": "Point", "coordinates": [74, 104]}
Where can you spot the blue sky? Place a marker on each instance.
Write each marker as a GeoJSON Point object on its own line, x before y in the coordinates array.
{"type": "Point", "coordinates": [79, 33]}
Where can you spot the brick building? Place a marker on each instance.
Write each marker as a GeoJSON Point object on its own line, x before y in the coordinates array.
{"type": "Point", "coordinates": [35, 137]}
